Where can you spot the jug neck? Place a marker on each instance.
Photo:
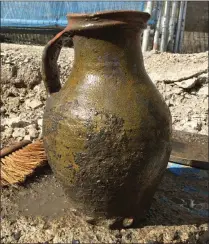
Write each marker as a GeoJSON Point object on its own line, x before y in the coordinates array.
{"type": "Point", "coordinates": [109, 48]}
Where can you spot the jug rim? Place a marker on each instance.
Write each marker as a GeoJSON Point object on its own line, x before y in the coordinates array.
{"type": "Point", "coordinates": [108, 13]}
{"type": "Point", "coordinates": [137, 19]}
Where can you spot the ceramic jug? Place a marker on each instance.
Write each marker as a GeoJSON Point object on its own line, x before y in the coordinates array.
{"type": "Point", "coordinates": [107, 131]}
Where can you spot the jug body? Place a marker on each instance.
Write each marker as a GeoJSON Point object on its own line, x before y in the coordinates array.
{"type": "Point", "coordinates": [107, 130]}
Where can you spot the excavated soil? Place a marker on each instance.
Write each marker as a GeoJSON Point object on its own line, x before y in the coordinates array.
{"type": "Point", "coordinates": [39, 212]}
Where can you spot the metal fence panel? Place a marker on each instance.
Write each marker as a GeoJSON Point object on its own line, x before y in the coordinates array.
{"type": "Point", "coordinates": [44, 14]}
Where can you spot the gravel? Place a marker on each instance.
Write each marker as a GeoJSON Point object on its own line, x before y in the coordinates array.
{"type": "Point", "coordinates": [182, 80]}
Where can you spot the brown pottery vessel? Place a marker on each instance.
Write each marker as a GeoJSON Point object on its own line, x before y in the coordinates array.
{"type": "Point", "coordinates": [107, 130]}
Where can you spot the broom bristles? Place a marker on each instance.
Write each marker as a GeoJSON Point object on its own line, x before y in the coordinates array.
{"type": "Point", "coordinates": [22, 163]}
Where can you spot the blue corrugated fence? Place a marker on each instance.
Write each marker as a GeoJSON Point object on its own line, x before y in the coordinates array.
{"type": "Point", "coordinates": [52, 14]}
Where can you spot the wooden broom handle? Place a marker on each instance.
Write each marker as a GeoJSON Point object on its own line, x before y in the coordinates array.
{"type": "Point", "coordinates": [7, 150]}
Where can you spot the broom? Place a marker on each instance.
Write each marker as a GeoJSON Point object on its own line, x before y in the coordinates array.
{"type": "Point", "coordinates": [20, 160]}
{"type": "Point", "coordinates": [21, 163]}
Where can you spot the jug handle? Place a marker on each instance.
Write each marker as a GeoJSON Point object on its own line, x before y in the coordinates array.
{"type": "Point", "coordinates": [50, 71]}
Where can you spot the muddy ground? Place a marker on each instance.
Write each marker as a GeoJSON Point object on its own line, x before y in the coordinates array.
{"type": "Point", "coordinates": [39, 212]}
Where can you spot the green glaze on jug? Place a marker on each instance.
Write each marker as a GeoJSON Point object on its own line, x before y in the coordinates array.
{"type": "Point", "coordinates": [107, 130]}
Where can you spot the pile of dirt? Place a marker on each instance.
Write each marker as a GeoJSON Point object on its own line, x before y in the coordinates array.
{"type": "Point", "coordinates": [181, 79]}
